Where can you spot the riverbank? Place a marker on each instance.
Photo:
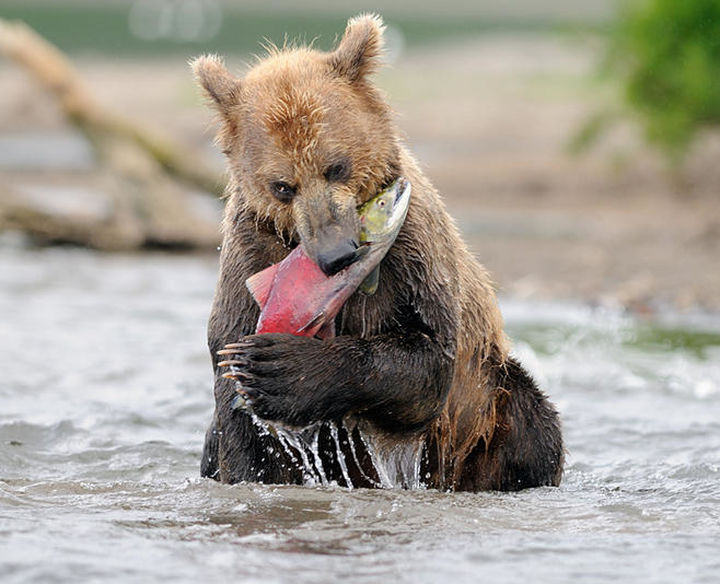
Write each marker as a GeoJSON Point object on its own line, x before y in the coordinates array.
{"type": "Point", "coordinates": [490, 126]}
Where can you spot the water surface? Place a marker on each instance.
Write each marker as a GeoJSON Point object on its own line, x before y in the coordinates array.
{"type": "Point", "coordinates": [106, 392]}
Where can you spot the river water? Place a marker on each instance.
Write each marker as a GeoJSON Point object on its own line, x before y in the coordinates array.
{"type": "Point", "coordinates": [106, 391]}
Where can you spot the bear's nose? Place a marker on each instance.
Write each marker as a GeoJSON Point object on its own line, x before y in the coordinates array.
{"type": "Point", "coordinates": [332, 260]}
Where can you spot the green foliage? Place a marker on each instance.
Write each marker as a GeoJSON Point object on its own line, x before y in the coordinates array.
{"type": "Point", "coordinates": [667, 54]}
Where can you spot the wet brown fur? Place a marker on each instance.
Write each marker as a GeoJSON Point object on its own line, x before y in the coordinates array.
{"type": "Point", "coordinates": [484, 423]}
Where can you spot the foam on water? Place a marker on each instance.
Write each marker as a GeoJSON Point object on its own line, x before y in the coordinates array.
{"type": "Point", "coordinates": [105, 395]}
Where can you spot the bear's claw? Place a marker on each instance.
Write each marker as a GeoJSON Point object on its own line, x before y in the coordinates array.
{"type": "Point", "coordinates": [237, 375]}
{"type": "Point", "coordinates": [232, 362]}
{"type": "Point", "coordinates": [233, 348]}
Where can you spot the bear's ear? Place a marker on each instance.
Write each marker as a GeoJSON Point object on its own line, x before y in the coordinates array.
{"type": "Point", "coordinates": [358, 53]}
{"type": "Point", "coordinates": [221, 87]}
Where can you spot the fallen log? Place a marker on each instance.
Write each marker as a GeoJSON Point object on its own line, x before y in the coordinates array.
{"type": "Point", "coordinates": [147, 178]}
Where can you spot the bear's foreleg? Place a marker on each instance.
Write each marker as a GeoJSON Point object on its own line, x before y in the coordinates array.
{"type": "Point", "coordinates": [398, 381]}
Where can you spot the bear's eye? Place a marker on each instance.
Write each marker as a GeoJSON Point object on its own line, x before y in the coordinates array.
{"type": "Point", "coordinates": [338, 171]}
{"type": "Point", "coordinates": [282, 191]}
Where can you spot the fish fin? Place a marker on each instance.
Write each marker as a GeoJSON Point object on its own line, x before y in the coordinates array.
{"type": "Point", "coordinates": [370, 284]}
{"type": "Point", "coordinates": [261, 283]}
{"type": "Point", "coordinates": [327, 331]}
{"type": "Point", "coordinates": [315, 322]}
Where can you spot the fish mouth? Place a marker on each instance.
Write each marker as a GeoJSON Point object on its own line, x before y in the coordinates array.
{"type": "Point", "coordinates": [402, 185]}
{"type": "Point", "coordinates": [401, 203]}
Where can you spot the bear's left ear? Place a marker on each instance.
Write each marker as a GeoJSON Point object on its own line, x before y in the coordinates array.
{"type": "Point", "coordinates": [220, 86]}
{"type": "Point", "coordinates": [358, 53]}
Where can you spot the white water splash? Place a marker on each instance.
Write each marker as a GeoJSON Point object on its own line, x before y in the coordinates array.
{"type": "Point", "coordinates": [397, 465]}
{"type": "Point", "coordinates": [341, 457]}
{"type": "Point", "coordinates": [304, 442]}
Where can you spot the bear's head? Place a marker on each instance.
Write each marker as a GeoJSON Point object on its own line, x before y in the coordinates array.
{"type": "Point", "coordinates": [308, 138]}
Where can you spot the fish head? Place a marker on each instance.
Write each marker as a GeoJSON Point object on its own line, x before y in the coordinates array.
{"type": "Point", "coordinates": [383, 215]}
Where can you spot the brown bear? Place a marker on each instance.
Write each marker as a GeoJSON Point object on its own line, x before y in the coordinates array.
{"type": "Point", "coordinates": [417, 388]}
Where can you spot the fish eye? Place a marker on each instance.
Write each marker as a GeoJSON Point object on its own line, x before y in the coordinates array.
{"type": "Point", "coordinates": [382, 203]}
{"type": "Point", "coordinates": [283, 191]}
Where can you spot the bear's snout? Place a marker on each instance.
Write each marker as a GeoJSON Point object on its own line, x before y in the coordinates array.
{"type": "Point", "coordinates": [333, 259]}
{"type": "Point", "coordinates": [327, 224]}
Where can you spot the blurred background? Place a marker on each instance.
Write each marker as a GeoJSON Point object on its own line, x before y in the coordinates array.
{"type": "Point", "coordinates": [572, 141]}
{"type": "Point", "coordinates": [575, 144]}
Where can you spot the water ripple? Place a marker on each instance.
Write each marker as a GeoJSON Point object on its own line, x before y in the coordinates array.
{"type": "Point", "coordinates": [106, 392]}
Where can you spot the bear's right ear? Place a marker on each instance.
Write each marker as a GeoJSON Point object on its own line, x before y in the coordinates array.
{"type": "Point", "coordinates": [222, 88]}
{"type": "Point", "coordinates": [358, 53]}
